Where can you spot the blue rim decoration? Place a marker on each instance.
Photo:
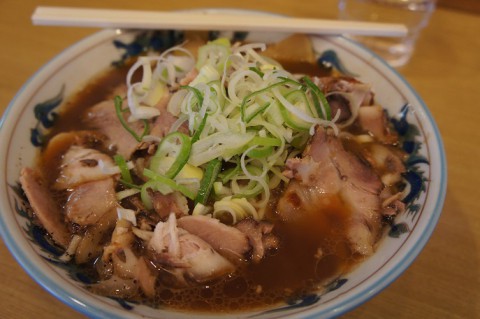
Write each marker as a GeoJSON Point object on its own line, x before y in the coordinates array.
{"type": "Point", "coordinates": [145, 41]}
{"type": "Point", "coordinates": [46, 117]}
{"type": "Point", "coordinates": [330, 59]}
{"type": "Point", "coordinates": [153, 40]}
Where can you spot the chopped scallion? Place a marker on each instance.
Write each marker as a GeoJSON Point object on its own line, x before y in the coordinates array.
{"type": "Point", "coordinates": [319, 99]}
{"type": "Point", "coordinates": [211, 173]}
{"type": "Point", "coordinates": [124, 170]}
{"type": "Point", "coordinates": [118, 108]}
{"type": "Point", "coordinates": [168, 182]}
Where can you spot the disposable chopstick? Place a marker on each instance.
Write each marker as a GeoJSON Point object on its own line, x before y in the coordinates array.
{"type": "Point", "coordinates": [133, 19]}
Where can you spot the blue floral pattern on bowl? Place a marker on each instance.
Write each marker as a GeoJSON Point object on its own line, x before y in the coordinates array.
{"type": "Point", "coordinates": [45, 115]}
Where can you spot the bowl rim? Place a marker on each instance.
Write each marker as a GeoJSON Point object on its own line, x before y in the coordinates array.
{"type": "Point", "coordinates": [84, 306]}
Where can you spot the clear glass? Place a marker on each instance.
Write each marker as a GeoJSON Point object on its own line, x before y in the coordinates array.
{"type": "Point", "coordinates": [415, 14]}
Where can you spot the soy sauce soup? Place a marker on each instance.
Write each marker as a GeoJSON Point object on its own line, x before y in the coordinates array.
{"type": "Point", "coordinates": [313, 249]}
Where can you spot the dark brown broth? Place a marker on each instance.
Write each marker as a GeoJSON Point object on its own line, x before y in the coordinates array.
{"type": "Point", "coordinates": [94, 92]}
{"type": "Point", "coordinates": [290, 272]}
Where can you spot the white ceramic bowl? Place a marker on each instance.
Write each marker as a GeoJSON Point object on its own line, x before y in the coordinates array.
{"type": "Point", "coordinates": [21, 127]}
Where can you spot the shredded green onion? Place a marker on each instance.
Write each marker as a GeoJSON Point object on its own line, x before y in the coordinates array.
{"type": "Point", "coordinates": [197, 93]}
{"type": "Point", "coordinates": [176, 145]}
{"type": "Point", "coordinates": [249, 98]}
{"type": "Point", "coordinates": [214, 53]}
{"type": "Point", "coordinates": [257, 70]}
{"type": "Point", "coordinates": [200, 128]}
{"type": "Point", "coordinates": [297, 97]}
{"type": "Point", "coordinates": [211, 173]}
{"type": "Point", "coordinates": [129, 185]}
{"type": "Point", "coordinates": [162, 180]}
{"type": "Point", "coordinates": [145, 197]}
{"type": "Point", "coordinates": [229, 173]}
{"type": "Point", "coordinates": [319, 100]}
{"type": "Point", "coordinates": [124, 170]}
{"type": "Point", "coordinates": [118, 101]}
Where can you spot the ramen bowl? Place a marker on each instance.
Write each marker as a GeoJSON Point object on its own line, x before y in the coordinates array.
{"type": "Point", "coordinates": [33, 112]}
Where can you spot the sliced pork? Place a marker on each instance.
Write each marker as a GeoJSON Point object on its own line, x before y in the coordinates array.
{"type": "Point", "coordinates": [80, 165]}
{"type": "Point", "coordinates": [103, 117]}
{"type": "Point", "coordinates": [96, 236]}
{"type": "Point", "coordinates": [169, 203]}
{"type": "Point", "coordinates": [327, 170]}
{"type": "Point", "coordinates": [89, 201]}
{"type": "Point", "coordinates": [46, 210]}
{"type": "Point", "coordinates": [116, 286]}
{"type": "Point", "coordinates": [163, 123]}
{"type": "Point", "coordinates": [187, 256]}
{"type": "Point", "coordinates": [387, 160]}
{"type": "Point", "coordinates": [392, 206]}
{"type": "Point", "coordinates": [346, 85]}
{"type": "Point", "coordinates": [345, 95]}
{"type": "Point", "coordinates": [146, 277]}
{"type": "Point", "coordinates": [373, 120]}
{"type": "Point", "coordinates": [60, 144]}
{"type": "Point", "coordinates": [226, 240]}
{"type": "Point", "coordinates": [259, 235]}
{"type": "Point", "coordinates": [122, 238]}
{"type": "Point", "coordinates": [118, 258]}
